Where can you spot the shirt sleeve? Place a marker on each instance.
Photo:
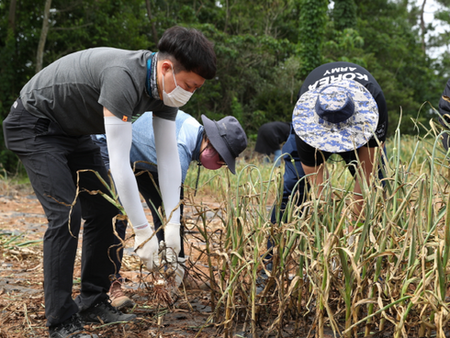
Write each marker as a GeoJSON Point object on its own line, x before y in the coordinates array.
{"type": "Point", "coordinates": [169, 168]}
{"type": "Point", "coordinates": [118, 134]}
{"type": "Point", "coordinates": [444, 102]}
{"type": "Point", "coordinates": [118, 93]}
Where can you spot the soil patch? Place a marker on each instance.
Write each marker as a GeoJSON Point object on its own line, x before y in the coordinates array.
{"type": "Point", "coordinates": [22, 307]}
{"type": "Point", "coordinates": [22, 226]}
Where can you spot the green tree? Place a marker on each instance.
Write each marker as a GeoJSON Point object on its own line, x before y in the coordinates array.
{"type": "Point", "coordinates": [250, 81]}
{"type": "Point", "coordinates": [264, 49]}
{"type": "Point", "coordinates": [72, 26]}
{"type": "Point", "coordinates": [395, 57]}
{"type": "Point", "coordinates": [8, 72]}
{"type": "Point", "coordinates": [312, 22]}
{"type": "Point", "coordinates": [344, 14]}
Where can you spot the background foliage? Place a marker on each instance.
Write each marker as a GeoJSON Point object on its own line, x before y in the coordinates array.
{"type": "Point", "coordinates": [264, 49]}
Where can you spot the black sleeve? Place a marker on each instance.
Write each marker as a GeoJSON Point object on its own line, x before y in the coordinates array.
{"type": "Point", "coordinates": [444, 103]}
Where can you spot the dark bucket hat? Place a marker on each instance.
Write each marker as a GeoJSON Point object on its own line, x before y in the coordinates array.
{"type": "Point", "coordinates": [227, 137]}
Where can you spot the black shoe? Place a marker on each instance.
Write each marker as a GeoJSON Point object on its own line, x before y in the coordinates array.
{"type": "Point", "coordinates": [103, 312]}
{"type": "Point", "coordinates": [72, 328]}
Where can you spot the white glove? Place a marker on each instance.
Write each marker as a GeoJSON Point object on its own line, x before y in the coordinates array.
{"type": "Point", "coordinates": [148, 252]}
{"type": "Point", "coordinates": [172, 238]}
{"type": "Point", "coordinates": [173, 247]}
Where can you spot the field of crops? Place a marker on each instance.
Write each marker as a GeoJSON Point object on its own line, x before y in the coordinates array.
{"type": "Point", "coordinates": [389, 274]}
{"type": "Point", "coordinates": [387, 277]}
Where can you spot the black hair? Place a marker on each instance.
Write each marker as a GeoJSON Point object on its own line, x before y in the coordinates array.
{"type": "Point", "coordinates": [190, 51]}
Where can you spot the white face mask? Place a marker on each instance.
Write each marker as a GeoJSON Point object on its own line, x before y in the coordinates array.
{"type": "Point", "coordinates": [177, 97]}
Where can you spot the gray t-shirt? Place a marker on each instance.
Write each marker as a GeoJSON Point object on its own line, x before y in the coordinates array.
{"type": "Point", "coordinates": [73, 90]}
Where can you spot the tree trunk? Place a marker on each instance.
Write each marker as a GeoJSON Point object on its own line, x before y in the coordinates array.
{"type": "Point", "coordinates": [227, 13]}
{"type": "Point", "coordinates": [422, 25]}
{"type": "Point", "coordinates": [43, 38]}
{"type": "Point", "coordinates": [12, 15]}
{"type": "Point", "coordinates": [149, 12]}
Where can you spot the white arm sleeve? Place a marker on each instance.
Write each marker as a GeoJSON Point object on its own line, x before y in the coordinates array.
{"type": "Point", "coordinates": [169, 167]}
{"type": "Point", "coordinates": [118, 134]}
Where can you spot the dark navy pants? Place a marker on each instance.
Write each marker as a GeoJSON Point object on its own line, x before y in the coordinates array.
{"type": "Point", "coordinates": [295, 186]}
{"type": "Point", "coordinates": [295, 183]}
{"type": "Point", "coordinates": [56, 164]}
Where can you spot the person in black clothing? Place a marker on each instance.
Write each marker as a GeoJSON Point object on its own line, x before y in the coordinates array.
{"type": "Point", "coordinates": [444, 110]}
{"type": "Point", "coordinates": [341, 109]}
{"type": "Point", "coordinates": [270, 137]}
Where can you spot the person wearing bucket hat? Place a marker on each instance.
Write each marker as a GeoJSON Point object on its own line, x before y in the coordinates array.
{"type": "Point", "coordinates": [341, 109]}
{"type": "Point", "coordinates": [213, 145]}
{"type": "Point", "coordinates": [228, 139]}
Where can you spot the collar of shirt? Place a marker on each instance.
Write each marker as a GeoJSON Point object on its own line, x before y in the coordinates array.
{"type": "Point", "coordinates": [150, 83]}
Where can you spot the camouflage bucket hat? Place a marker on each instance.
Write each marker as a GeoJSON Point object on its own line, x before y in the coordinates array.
{"type": "Point", "coordinates": [337, 117]}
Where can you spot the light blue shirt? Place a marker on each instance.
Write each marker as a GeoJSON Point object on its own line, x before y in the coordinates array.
{"type": "Point", "coordinates": [189, 136]}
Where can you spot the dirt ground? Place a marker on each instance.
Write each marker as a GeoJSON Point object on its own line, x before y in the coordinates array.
{"type": "Point", "coordinates": [23, 223]}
